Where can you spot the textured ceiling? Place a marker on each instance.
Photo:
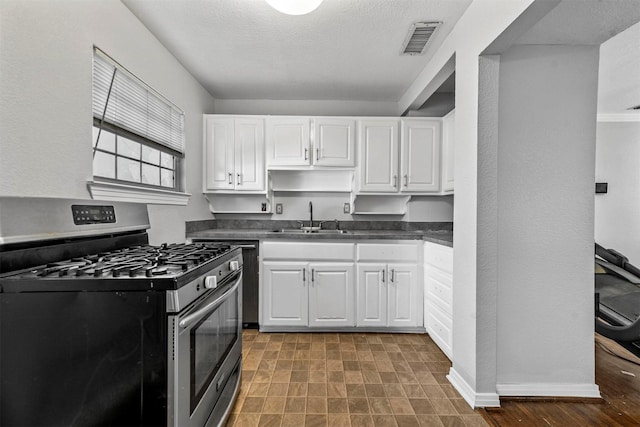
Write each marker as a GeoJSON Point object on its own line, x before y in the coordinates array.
{"type": "Point", "coordinates": [345, 50]}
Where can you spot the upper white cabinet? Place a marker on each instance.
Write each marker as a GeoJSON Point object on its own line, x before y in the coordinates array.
{"type": "Point", "coordinates": [234, 154]}
{"type": "Point", "coordinates": [305, 141]}
{"type": "Point", "coordinates": [448, 145]}
{"type": "Point", "coordinates": [420, 144]}
{"type": "Point", "coordinates": [288, 142]}
{"type": "Point", "coordinates": [416, 141]}
{"type": "Point", "coordinates": [334, 141]}
{"type": "Point", "coordinates": [378, 145]}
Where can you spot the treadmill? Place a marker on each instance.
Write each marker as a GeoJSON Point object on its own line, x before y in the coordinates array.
{"type": "Point", "coordinates": [617, 288]}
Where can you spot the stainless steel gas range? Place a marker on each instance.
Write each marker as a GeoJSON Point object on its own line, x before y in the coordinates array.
{"type": "Point", "coordinates": [97, 327]}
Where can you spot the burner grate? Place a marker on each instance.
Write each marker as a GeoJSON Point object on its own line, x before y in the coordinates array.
{"type": "Point", "coordinates": [135, 261]}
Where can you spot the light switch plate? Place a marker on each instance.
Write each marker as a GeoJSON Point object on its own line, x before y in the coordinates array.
{"type": "Point", "coordinates": [279, 208]}
{"type": "Point", "coordinates": [347, 208]}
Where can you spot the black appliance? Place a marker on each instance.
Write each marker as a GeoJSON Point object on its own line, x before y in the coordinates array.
{"type": "Point", "coordinates": [617, 287]}
{"type": "Point", "coordinates": [250, 281]}
{"type": "Point", "coordinates": [97, 327]}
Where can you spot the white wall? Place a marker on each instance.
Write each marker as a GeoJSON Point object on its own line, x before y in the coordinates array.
{"type": "Point", "coordinates": [305, 107]}
{"type": "Point", "coordinates": [617, 213]}
{"type": "Point", "coordinates": [45, 108]}
{"type": "Point", "coordinates": [546, 157]}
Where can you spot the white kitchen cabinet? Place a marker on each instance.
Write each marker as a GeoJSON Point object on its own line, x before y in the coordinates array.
{"type": "Point", "coordinates": [372, 295]}
{"type": "Point", "coordinates": [420, 144]}
{"type": "Point", "coordinates": [334, 141]}
{"type": "Point", "coordinates": [438, 303]}
{"type": "Point", "coordinates": [406, 161]}
{"type": "Point", "coordinates": [448, 150]}
{"type": "Point", "coordinates": [234, 154]}
{"type": "Point", "coordinates": [378, 146]}
{"type": "Point", "coordinates": [389, 294]}
{"type": "Point", "coordinates": [320, 277]}
{"type": "Point", "coordinates": [285, 294]}
{"type": "Point", "coordinates": [331, 295]}
{"type": "Point", "coordinates": [404, 307]}
{"type": "Point", "coordinates": [288, 142]}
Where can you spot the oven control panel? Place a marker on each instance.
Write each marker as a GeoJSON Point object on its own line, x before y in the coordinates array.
{"type": "Point", "coordinates": [92, 214]}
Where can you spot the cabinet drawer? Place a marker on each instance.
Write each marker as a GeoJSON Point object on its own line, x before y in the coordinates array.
{"type": "Point", "coordinates": [307, 251]}
{"type": "Point", "coordinates": [439, 290]}
{"type": "Point", "coordinates": [439, 256]}
{"type": "Point", "coordinates": [439, 328]}
{"type": "Point", "coordinates": [390, 252]}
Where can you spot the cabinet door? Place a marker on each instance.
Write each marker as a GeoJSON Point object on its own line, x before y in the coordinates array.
{"type": "Point", "coordinates": [420, 144]}
{"type": "Point", "coordinates": [405, 300]}
{"type": "Point", "coordinates": [285, 294]}
{"type": "Point", "coordinates": [249, 154]}
{"type": "Point", "coordinates": [378, 145]}
{"type": "Point", "coordinates": [334, 142]}
{"type": "Point", "coordinates": [331, 294]}
{"type": "Point", "coordinates": [372, 295]}
{"type": "Point", "coordinates": [219, 152]}
{"type": "Point", "coordinates": [448, 145]}
{"type": "Point", "coordinates": [288, 141]}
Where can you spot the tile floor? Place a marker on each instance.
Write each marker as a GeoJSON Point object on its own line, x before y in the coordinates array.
{"type": "Point", "coordinates": [331, 379]}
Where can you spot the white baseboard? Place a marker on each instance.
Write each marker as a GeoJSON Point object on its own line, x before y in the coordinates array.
{"type": "Point", "coordinates": [549, 390]}
{"type": "Point", "coordinates": [475, 400]}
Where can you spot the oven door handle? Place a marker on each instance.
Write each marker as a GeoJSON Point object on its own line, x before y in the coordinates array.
{"type": "Point", "coordinates": [211, 306]}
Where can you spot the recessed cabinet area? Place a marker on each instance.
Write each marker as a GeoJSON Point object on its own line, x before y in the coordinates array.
{"type": "Point", "coordinates": [438, 302]}
{"type": "Point", "coordinates": [389, 159]}
{"type": "Point", "coordinates": [323, 286]}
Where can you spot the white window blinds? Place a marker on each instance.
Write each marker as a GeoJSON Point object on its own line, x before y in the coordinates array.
{"type": "Point", "coordinates": [134, 106]}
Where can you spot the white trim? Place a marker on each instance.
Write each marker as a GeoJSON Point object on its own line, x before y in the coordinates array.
{"type": "Point", "coordinates": [131, 193]}
{"type": "Point", "coordinates": [549, 390]}
{"type": "Point", "coordinates": [620, 117]}
{"type": "Point", "coordinates": [475, 400]}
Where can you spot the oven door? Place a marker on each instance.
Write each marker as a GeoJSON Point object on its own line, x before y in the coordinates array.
{"type": "Point", "coordinates": [204, 367]}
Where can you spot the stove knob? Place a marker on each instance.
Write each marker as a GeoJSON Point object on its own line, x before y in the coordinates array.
{"type": "Point", "coordinates": [234, 266]}
{"type": "Point", "coordinates": [211, 282]}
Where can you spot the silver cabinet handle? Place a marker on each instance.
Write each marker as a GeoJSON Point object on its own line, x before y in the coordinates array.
{"type": "Point", "coordinates": [312, 274]}
{"type": "Point", "coordinates": [317, 154]}
{"type": "Point", "coordinates": [304, 274]}
{"type": "Point", "coordinates": [382, 276]}
{"type": "Point", "coordinates": [406, 181]}
{"type": "Point", "coordinates": [230, 177]}
{"type": "Point", "coordinates": [239, 180]}
{"type": "Point", "coordinates": [393, 271]}
{"type": "Point", "coordinates": [395, 180]}
{"type": "Point", "coordinates": [211, 306]}
{"type": "Point", "coordinates": [306, 151]}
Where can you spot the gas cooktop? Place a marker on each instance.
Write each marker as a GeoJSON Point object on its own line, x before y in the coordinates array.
{"type": "Point", "coordinates": [144, 266]}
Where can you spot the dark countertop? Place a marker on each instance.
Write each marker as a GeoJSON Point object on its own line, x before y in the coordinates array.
{"type": "Point", "coordinates": [442, 237]}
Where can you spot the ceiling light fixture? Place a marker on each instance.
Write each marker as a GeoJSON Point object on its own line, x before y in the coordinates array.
{"type": "Point", "coordinates": [294, 7]}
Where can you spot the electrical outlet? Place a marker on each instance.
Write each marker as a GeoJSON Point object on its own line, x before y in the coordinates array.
{"type": "Point", "coordinates": [279, 208]}
{"type": "Point", "coordinates": [347, 208]}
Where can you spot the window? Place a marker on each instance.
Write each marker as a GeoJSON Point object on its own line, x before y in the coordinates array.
{"type": "Point", "coordinates": [138, 136]}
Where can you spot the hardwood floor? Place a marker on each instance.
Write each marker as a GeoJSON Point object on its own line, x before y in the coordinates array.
{"type": "Point", "coordinates": [619, 382]}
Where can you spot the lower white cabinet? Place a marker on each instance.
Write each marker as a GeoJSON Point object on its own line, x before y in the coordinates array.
{"type": "Point", "coordinates": [285, 294]}
{"type": "Point", "coordinates": [331, 295]}
{"type": "Point", "coordinates": [308, 294]}
{"type": "Point", "coordinates": [341, 285]}
{"type": "Point", "coordinates": [438, 304]}
{"type": "Point", "coordinates": [389, 293]}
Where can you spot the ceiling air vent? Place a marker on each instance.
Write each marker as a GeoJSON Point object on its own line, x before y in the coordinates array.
{"type": "Point", "coordinates": [419, 35]}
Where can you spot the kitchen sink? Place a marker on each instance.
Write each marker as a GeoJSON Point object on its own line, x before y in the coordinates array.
{"type": "Point", "coordinates": [299, 231]}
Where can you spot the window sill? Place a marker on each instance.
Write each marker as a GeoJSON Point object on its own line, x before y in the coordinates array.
{"type": "Point", "coordinates": [130, 193]}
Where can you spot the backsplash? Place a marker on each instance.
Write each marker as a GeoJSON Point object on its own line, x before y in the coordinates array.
{"type": "Point", "coordinates": [193, 226]}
